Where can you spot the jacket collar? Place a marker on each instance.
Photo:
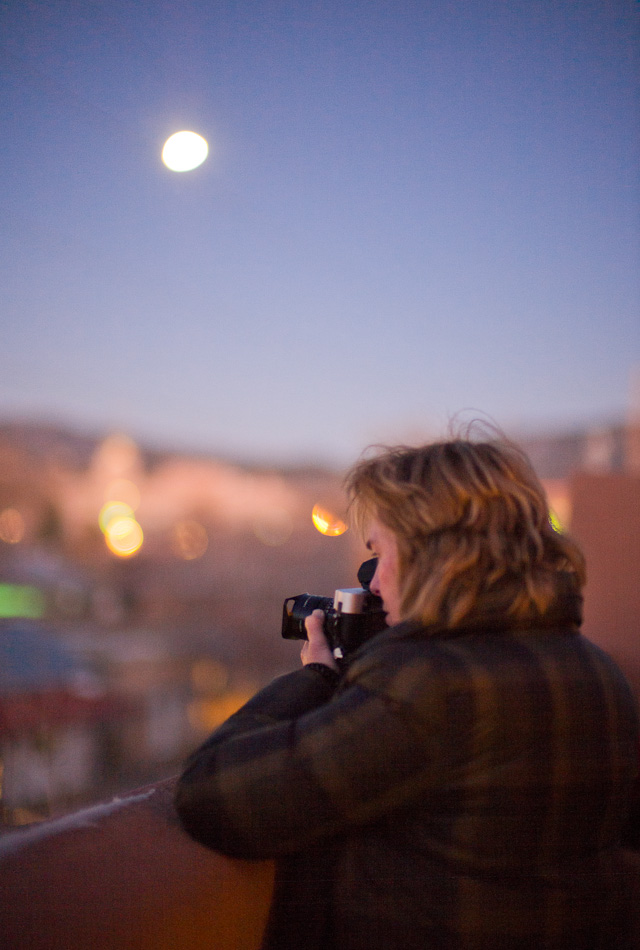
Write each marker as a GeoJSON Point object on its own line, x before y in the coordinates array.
{"type": "Point", "coordinates": [490, 614]}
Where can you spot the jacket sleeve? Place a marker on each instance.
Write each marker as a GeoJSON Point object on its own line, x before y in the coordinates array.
{"type": "Point", "coordinates": [297, 765]}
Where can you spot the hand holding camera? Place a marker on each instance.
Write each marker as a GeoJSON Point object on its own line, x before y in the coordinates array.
{"type": "Point", "coordinates": [315, 648]}
{"type": "Point", "coordinates": [350, 618]}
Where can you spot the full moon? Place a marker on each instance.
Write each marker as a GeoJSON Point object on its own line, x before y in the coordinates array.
{"type": "Point", "coordinates": [184, 151]}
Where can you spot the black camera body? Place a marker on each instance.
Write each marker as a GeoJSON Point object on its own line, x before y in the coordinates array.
{"type": "Point", "coordinates": [351, 617]}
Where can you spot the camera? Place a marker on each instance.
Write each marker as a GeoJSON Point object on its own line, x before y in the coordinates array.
{"type": "Point", "coordinates": [351, 617]}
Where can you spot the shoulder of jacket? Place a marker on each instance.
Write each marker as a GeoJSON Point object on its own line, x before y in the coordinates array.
{"type": "Point", "coordinates": [390, 663]}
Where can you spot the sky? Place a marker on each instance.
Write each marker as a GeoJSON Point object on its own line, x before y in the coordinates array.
{"type": "Point", "coordinates": [409, 210]}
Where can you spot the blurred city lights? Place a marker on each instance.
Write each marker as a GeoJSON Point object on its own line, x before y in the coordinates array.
{"type": "Point", "coordinates": [327, 522]}
{"type": "Point", "coordinates": [122, 533]}
{"type": "Point", "coordinates": [190, 540]}
{"type": "Point", "coordinates": [184, 151]}
{"type": "Point", "coordinates": [123, 536]}
{"type": "Point", "coordinates": [11, 526]}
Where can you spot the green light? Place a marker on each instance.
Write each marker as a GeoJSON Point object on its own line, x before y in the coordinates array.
{"type": "Point", "coordinates": [21, 600]}
{"type": "Point", "coordinates": [556, 524]}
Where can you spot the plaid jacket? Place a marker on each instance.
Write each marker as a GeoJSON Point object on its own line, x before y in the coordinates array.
{"type": "Point", "coordinates": [459, 789]}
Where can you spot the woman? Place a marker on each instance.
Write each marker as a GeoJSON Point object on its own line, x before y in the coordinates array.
{"type": "Point", "coordinates": [466, 781]}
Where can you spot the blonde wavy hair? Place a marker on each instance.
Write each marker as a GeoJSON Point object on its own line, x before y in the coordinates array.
{"type": "Point", "coordinates": [469, 518]}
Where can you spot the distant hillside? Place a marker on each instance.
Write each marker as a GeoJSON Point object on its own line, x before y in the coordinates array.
{"type": "Point", "coordinates": [554, 455]}
{"type": "Point", "coordinates": [43, 440]}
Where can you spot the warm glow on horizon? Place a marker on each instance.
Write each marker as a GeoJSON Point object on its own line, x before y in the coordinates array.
{"type": "Point", "coordinates": [184, 151]}
{"type": "Point", "coordinates": [327, 522]}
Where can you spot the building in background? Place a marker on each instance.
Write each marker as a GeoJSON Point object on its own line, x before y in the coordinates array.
{"type": "Point", "coordinates": [593, 483]}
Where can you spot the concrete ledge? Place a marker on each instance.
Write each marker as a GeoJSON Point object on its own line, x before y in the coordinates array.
{"type": "Point", "coordinates": [123, 875]}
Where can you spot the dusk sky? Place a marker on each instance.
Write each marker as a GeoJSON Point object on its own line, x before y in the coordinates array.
{"type": "Point", "coordinates": [409, 209]}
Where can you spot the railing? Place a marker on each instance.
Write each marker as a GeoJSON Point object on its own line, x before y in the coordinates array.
{"type": "Point", "coordinates": [124, 876]}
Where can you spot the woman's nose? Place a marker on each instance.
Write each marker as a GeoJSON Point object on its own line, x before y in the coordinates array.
{"type": "Point", "coordinates": [374, 587]}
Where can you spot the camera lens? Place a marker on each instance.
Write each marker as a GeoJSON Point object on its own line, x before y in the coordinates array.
{"type": "Point", "coordinates": [295, 612]}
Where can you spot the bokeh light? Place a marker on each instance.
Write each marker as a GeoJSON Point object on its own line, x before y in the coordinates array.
{"type": "Point", "coordinates": [184, 151]}
{"type": "Point", "coordinates": [190, 540]}
{"type": "Point", "coordinates": [12, 526]}
{"type": "Point", "coordinates": [112, 510]}
{"type": "Point", "coordinates": [559, 501]}
{"type": "Point", "coordinates": [123, 536]}
{"type": "Point", "coordinates": [274, 527]}
{"type": "Point", "coordinates": [122, 533]}
{"type": "Point", "coordinates": [327, 522]}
